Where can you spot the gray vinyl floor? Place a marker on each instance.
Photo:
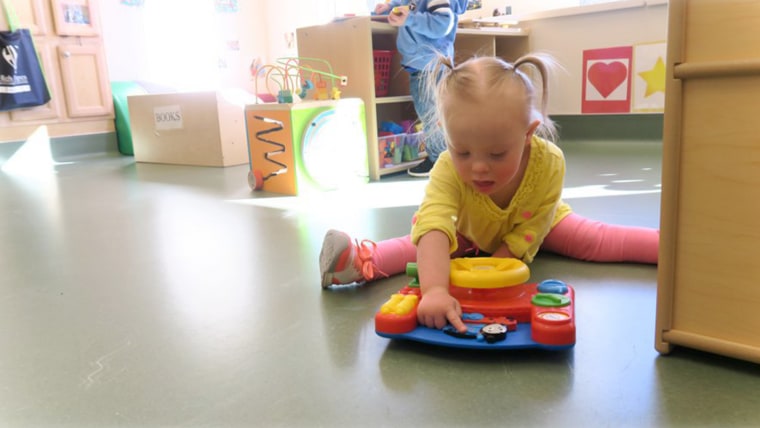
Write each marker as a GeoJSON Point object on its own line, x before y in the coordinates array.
{"type": "Point", "coordinates": [141, 295]}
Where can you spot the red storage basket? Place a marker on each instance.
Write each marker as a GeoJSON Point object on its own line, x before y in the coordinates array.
{"type": "Point", "coordinates": [382, 71]}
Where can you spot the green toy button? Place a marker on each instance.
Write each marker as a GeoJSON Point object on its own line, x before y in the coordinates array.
{"type": "Point", "coordinates": [550, 300]}
{"type": "Point", "coordinates": [411, 271]}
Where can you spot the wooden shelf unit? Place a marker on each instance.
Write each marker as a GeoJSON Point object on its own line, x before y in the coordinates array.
{"type": "Point", "coordinates": [708, 273]}
{"type": "Point", "coordinates": [348, 44]}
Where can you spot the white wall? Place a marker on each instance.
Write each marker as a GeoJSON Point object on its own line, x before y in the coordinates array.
{"type": "Point", "coordinates": [526, 7]}
{"type": "Point", "coordinates": [567, 37]}
{"type": "Point", "coordinates": [183, 44]}
{"type": "Point", "coordinates": [122, 29]}
{"type": "Point", "coordinates": [522, 7]}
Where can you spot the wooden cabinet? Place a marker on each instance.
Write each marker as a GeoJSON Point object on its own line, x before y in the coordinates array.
{"type": "Point", "coordinates": [67, 35]}
{"type": "Point", "coordinates": [31, 14]}
{"type": "Point", "coordinates": [348, 45]}
{"type": "Point", "coordinates": [708, 273]}
{"type": "Point", "coordinates": [85, 80]}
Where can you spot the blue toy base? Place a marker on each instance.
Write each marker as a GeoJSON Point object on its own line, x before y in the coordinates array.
{"type": "Point", "coordinates": [520, 338]}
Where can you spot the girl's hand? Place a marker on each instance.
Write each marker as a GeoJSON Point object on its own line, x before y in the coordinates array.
{"type": "Point", "coordinates": [438, 308]}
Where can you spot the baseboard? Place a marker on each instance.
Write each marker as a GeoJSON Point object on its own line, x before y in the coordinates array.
{"type": "Point", "coordinates": [646, 127]}
{"type": "Point", "coordinates": [68, 147]}
{"type": "Point", "coordinates": [610, 127]}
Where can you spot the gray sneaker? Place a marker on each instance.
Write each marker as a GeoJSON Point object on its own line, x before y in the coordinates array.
{"type": "Point", "coordinates": [343, 261]}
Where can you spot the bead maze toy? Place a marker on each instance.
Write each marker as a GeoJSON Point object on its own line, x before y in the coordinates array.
{"type": "Point", "coordinates": [296, 79]}
{"type": "Point", "coordinates": [501, 310]}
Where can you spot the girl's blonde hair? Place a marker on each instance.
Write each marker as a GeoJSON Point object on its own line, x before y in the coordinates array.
{"type": "Point", "coordinates": [487, 76]}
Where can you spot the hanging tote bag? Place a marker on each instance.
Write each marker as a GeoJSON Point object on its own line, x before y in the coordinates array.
{"type": "Point", "coordinates": [22, 82]}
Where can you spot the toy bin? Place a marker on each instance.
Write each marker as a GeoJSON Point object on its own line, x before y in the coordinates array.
{"type": "Point", "coordinates": [413, 146]}
{"type": "Point", "coordinates": [382, 61]}
{"type": "Point", "coordinates": [390, 149]}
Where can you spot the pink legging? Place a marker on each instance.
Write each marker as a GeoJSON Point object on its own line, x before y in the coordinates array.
{"type": "Point", "coordinates": [575, 236]}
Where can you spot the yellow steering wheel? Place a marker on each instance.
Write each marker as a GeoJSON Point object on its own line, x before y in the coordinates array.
{"type": "Point", "coordinates": [488, 272]}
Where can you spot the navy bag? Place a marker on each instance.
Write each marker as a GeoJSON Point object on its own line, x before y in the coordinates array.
{"type": "Point", "coordinates": [22, 83]}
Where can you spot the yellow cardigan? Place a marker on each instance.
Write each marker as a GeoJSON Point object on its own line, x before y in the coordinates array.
{"type": "Point", "coordinates": [451, 206]}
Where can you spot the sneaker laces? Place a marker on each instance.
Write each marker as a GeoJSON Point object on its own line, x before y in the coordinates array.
{"type": "Point", "coordinates": [364, 251]}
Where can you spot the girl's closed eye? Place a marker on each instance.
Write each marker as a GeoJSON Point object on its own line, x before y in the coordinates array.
{"type": "Point", "coordinates": [498, 155]}
{"type": "Point", "coordinates": [461, 154]}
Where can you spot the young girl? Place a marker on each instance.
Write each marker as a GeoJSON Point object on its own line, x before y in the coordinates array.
{"type": "Point", "coordinates": [496, 190]}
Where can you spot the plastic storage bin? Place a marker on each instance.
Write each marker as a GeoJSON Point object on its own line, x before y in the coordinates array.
{"type": "Point", "coordinates": [390, 149]}
{"type": "Point", "coordinates": [413, 146]}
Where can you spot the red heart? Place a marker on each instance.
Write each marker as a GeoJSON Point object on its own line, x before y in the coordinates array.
{"type": "Point", "coordinates": [606, 77]}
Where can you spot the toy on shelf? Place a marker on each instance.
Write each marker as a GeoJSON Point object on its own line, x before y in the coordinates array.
{"type": "Point", "coordinates": [294, 78]}
{"type": "Point", "coordinates": [500, 309]}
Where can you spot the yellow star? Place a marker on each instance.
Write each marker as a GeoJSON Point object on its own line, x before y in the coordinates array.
{"type": "Point", "coordinates": [655, 78]}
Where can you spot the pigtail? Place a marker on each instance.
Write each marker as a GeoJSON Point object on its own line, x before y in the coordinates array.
{"type": "Point", "coordinates": [437, 72]}
{"type": "Point", "coordinates": [541, 63]}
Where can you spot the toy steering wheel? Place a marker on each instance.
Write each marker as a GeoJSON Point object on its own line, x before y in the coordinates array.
{"type": "Point", "coordinates": [488, 272]}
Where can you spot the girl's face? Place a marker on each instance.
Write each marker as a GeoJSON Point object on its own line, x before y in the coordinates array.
{"type": "Point", "coordinates": [488, 142]}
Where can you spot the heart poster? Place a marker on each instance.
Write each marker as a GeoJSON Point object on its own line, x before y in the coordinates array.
{"type": "Point", "coordinates": [607, 80]}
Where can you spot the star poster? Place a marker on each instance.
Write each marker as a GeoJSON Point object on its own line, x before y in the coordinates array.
{"type": "Point", "coordinates": [607, 80]}
{"type": "Point", "coordinates": [649, 77]}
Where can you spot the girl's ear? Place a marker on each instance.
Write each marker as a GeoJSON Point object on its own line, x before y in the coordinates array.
{"type": "Point", "coordinates": [531, 130]}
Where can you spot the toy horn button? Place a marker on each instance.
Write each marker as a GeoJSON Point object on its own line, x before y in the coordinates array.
{"type": "Point", "coordinates": [494, 332]}
{"type": "Point", "coordinates": [550, 300]}
{"type": "Point", "coordinates": [552, 286]}
{"type": "Point", "coordinates": [554, 317]}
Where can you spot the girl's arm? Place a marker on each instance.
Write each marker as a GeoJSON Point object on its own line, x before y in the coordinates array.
{"type": "Point", "coordinates": [437, 307]}
{"type": "Point", "coordinates": [435, 23]}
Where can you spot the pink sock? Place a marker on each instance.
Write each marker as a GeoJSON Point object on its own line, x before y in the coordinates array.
{"type": "Point", "coordinates": [391, 256]}
{"type": "Point", "coordinates": [580, 238]}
